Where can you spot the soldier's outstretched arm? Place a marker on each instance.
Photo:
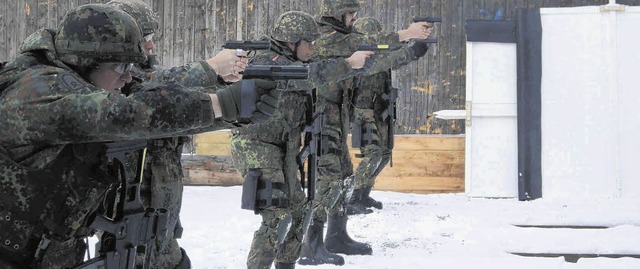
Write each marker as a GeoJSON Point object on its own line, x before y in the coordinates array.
{"type": "Point", "coordinates": [215, 72]}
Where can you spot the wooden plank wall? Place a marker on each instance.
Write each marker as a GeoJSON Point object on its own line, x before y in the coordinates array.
{"type": "Point", "coordinates": [196, 29]}
{"type": "Point", "coordinates": [422, 163]}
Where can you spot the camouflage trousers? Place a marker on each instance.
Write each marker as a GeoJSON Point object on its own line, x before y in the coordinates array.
{"type": "Point", "coordinates": [162, 188]}
{"type": "Point", "coordinates": [281, 231]}
{"type": "Point", "coordinates": [334, 166]}
{"type": "Point", "coordinates": [376, 156]}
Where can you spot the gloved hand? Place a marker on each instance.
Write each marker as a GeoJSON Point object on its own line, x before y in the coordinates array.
{"type": "Point", "coordinates": [419, 48]}
{"type": "Point", "coordinates": [254, 104]}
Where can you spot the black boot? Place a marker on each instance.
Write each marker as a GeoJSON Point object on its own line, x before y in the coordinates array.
{"type": "Point", "coordinates": [313, 250]}
{"type": "Point", "coordinates": [356, 205]}
{"type": "Point", "coordinates": [368, 201]}
{"type": "Point", "coordinates": [185, 263]}
{"type": "Point", "coordinates": [285, 265]}
{"type": "Point", "coordinates": [338, 241]}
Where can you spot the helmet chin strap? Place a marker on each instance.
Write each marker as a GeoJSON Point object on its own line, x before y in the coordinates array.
{"type": "Point", "coordinates": [295, 50]}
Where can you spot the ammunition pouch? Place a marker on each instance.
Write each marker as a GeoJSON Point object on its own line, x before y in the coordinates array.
{"type": "Point", "coordinates": [362, 135]}
{"type": "Point", "coordinates": [257, 192]}
{"type": "Point", "coordinates": [326, 149]}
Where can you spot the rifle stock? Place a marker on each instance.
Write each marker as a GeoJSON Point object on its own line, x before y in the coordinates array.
{"type": "Point", "coordinates": [134, 228]}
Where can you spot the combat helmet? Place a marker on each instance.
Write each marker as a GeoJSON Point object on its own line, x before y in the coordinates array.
{"type": "Point", "coordinates": [96, 33]}
{"type": "Point", "coordinates": [367, 25]}
{"type": "Point", "coordinates": [141, 12]}
{"type": "Point", "coordinates": [337, 8]}
{"type": "Point", "coordinates": [293, 26]}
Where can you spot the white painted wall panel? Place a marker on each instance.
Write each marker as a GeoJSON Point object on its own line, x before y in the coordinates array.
{"type": "Point", "coordinates": [491, 140]}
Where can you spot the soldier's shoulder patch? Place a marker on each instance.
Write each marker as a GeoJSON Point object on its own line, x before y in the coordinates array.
{"type": "Point", "coordinates": [72, 82]}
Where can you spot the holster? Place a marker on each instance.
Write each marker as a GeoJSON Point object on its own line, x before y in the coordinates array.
{"type": "Point", "coordinates": [250, 189]}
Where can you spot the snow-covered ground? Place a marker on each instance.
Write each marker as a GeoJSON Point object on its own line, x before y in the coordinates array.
{"type": "Point", "coordinates": [431, 231]}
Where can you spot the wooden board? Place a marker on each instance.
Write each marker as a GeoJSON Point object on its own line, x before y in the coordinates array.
{"type": "Point", "coordinates": [422, 163]}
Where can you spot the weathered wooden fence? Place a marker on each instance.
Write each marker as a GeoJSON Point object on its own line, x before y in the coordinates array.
{"type": "Point", "coordinates": [196, 29]}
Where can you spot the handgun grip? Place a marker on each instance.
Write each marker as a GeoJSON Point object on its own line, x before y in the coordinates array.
{"type": "Point", "coordinates": [248, 97]}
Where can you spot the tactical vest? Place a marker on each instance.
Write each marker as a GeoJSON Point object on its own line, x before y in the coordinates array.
{"type": "Point", "coordinates": [52, 203]}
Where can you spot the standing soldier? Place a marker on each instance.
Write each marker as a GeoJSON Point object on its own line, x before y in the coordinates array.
{"type": "Point", "coordinates": [162, 185]}
{"type": "Point", "coordinates": [61, 104]}
{"type": "Point", "coordinates": [268, 154]}
{"type": "Point", "coordinates": [337, 40]}
{"type": "Point", "coordinates": [373, 96]}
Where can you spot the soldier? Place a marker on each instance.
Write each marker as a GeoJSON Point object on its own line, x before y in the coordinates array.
{"type": "Point", "coordinates": [372, 96]}
{"type": "Point", "coordinates": [335, 169]}
{"type": "Point", "coordinates": [162, 185]}
{"type": "Point", "coordinates": [266, 154]}
{"type": "Point", "coordinates": [60, 104]}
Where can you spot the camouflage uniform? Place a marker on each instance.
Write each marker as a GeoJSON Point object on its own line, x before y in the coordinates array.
{"type": "Point", "coordinates": [273, 147]}
{"type": "Point", "coordinates": [335, 168]}
{"type": "Point", "coordinates": [369, 108]}
{"type": "Point", "coordinates": [55, 124]}
{"type": "Point", "coordinates": [162, 186]}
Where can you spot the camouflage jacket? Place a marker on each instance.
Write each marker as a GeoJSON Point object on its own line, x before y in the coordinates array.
{"type": "Point", "coordinates": [369, 102]}
{"type": "Point", "coordinates": [276, 143]}
{"type": "Point", "coordinates": [51, 117]}
{"type": "Point", "coordinates": [196, 74]}
{"type": "Point", "coordinates": [337, 41]}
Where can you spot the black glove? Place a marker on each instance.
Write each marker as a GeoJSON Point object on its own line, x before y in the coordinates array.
{"type": "Point", "coordinates": [253, 104]}
{"type": "Point", "coordinates": [419, 48]}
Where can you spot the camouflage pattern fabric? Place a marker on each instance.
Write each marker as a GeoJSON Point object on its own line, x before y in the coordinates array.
{"type": "Point", "coordinates": [141, 11]}
{"type": "Point", "coordinates": [294, 26]}
{"type": "Point", "coordinates": [369, 105]}
{"type": "Point", "coordinates": [46, 106]}
{"type": "Point", "coordinates": [162, 186]}
{"type": "Point", "coordinates": [335, 100]}
{"type": "Point", "coordinates": [273, 147]}
{"type": "Point", "coordinates": [338, 7]}
{"type": "Point", "coordinates": [117, 32]}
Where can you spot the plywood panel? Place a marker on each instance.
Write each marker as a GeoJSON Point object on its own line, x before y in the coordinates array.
{"type": "Point", "coordinates": [422, 164]}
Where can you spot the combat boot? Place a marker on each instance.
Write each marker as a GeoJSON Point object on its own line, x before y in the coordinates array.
{"type": "Point", "coordinates": [367, 201]}
{"type": "Point", "coordinates": [313, 250]}
{"type": "Point", "coordinates": [356, 205]}
{"type": "Point", "coordinates": [185, 263]}
{"type": "Point", "coordinates": [338, 241]}
{"type": "Point", "coordinates": [285, 265]}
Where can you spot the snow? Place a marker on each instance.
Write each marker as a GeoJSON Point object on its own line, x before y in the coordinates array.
{"type": "Point", "coordinates": [431, 231]}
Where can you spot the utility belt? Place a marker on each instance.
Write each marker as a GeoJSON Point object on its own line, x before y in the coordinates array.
{"type": "Point", "coordinates": [22, 241]}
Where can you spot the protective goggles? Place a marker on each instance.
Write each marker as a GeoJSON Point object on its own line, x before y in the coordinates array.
{"type": "Point", "coordinates": [121, 68]}
{"type": "Point", "coordinates": [148, 37]}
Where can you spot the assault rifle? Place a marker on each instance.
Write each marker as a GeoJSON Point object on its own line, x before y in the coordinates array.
{"type": "Point", "coordinates": [390, 113]}
{"type": "Point", "coordinates": [312, 148]}
{"type": "Point", "coordinates": [268, 72]}
{"type": "Point", "coordinates": [134, 229]}
{"type": "Point", "coordinates": [429, 20]}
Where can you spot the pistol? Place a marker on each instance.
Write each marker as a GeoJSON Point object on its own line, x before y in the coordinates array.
{"type": "Point", "coordinates": [429, 20]}
{"type": "Point", "coordinates": [426, 19]}
{"type": "Point", "coordinates": [247, 45]}
{"type": "Point", "coordinates": [276, 72]}
{"type": "Point", "coordinates": [372, 47]}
